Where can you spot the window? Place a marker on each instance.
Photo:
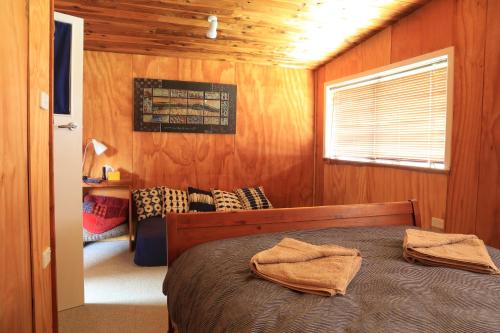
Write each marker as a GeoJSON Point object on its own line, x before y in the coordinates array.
{"type": "Point", "coordinates": [397, 115]}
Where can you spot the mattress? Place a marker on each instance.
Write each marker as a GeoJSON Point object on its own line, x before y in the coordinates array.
{"type": "Point", "coordinates": [210, 289]}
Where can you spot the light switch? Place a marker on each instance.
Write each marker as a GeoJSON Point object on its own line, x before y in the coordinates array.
{"type": "Point", "coordinates": [46, 257]}
{"type": "Point", "coordinates": [44, 100]}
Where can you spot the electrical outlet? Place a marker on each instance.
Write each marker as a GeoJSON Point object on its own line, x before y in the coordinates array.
{"type": "Point", "coordinates": [437, 223]}
{"type": "Point", "coordinates": [46, 257]}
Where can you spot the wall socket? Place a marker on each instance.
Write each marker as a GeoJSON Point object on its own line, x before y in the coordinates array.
{"type": "Point", "coordinates": [437, 223]}
{"type": "Point", "coordinates": [46, 257]}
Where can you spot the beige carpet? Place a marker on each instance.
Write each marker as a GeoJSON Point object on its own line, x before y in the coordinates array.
{"type": "Point", "coordinates": [119, 296]}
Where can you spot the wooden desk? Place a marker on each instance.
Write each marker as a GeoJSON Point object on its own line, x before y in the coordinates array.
{"type": "Point", "coordinates": [118, 189]}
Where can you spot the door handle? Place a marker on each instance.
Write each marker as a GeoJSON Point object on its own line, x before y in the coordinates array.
{"type": "Point", "coordinates": [71, 126]}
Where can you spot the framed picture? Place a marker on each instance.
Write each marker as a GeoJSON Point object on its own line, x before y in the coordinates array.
{"type": "Point", "coordinates": [184, 106]}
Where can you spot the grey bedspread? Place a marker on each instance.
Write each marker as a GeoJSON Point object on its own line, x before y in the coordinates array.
{"type": "Point", "coordinates": [210, 289]}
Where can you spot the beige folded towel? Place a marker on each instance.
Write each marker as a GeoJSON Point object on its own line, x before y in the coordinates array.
{"type": "Point", "coordinates": [317, 269]}
{"type": "Point", "coordinates": [465, 252]}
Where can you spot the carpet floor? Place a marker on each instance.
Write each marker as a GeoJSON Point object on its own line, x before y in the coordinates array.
{"type": "Point", "coordinates": [119, 296]}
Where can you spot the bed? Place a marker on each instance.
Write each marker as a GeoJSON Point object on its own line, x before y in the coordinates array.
{"type": "Point", "coordinates": [210, 287]}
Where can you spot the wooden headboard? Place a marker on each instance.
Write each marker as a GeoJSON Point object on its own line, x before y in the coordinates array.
{"type": "Point", "coordinates": [189, 229]}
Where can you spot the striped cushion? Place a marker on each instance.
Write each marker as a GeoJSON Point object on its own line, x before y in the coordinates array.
{"type": "Point", "coordinates": [200, 200]}
{"type": "Point", "coordinates": [253, 198]}
{"type": "Point", "coordinates": [226, 201]}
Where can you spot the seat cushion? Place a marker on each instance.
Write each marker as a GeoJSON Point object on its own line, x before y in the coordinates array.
{"type": "Point", "coordinates": [102, 213]}
{"type": "Point", "coordinates": [151, 242]}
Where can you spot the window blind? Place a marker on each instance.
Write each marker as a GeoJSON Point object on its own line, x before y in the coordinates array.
{"type": "Point", "coordinates": [392, 117]}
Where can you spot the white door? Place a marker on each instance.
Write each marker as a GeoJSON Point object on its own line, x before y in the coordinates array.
{"type": "Point", "coordinates": [68, 178]}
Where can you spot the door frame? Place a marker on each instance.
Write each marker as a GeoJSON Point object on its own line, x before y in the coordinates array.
{"type": "Point", "coordinates": [55, 317]}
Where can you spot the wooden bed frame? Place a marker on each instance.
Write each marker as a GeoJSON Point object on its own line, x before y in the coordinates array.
{"type": "Point", "coordinates": [189, 229]}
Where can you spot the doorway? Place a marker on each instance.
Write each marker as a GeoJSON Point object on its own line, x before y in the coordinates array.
{"type": "Point", "coordinates": [99, 287]}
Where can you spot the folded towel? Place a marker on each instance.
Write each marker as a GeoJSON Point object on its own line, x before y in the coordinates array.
{"type": "Point", "coordinates": [465, 252]}
{"type": "Point", "coordinates": [317, 269]}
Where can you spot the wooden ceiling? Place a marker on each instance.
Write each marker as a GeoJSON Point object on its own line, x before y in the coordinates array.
{"type": "Point", "coordinates": [292, 33]}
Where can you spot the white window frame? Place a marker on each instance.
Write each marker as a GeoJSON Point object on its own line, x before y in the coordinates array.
{"type": "Point", "coordinates": [328, 102]}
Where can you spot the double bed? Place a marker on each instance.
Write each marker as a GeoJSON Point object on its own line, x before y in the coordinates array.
{"type": "Point", "coordinates": [210, 287]}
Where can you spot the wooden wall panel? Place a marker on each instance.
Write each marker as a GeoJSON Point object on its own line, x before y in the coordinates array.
{"type": "Point", "coordinates": [373, 53]}
{"type": "Point", "coordinates": [214, 154]}
{"type": "Point", "coordinates": [107, 117]}
{"type": "Point", "coordinates": [488, 200]}
{"type": "Point", "coordinates": [274, 144]}
{"type": "Point", "coordinates": [319, 102]}
{"type": "Point", "coordinates": [155, 156]}
{"type": "Point", "coordinates": [39, 155]}
{"type": "Point", "coordinates": [426, 30]}
{"type": "Point", "coordinates": [350, 183]}
{"type": "Point", "coordinates": [391, 184]}
{"type": "Point", "coordinates": [469, 40]}
{"type": "Point", "coordinates": [182, 159]}
{"type": "Point", "coordinates": [346, 183]}
{"type": "Point", "coordinates": [271, 147]}
{"type": "Point", "coordinates": [15, 272]}
{"type": "Point", "coordinates": [467, 198]}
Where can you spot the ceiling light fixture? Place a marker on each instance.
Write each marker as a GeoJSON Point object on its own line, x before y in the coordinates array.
{"type": "Point", "coordinates": [212, 31]}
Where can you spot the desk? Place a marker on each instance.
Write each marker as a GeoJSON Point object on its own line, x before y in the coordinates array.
{"type": "Point", "coordinates": [118, 189]}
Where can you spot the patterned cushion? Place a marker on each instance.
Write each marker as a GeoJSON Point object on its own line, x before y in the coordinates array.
{"type": "Point", "coordinates": [200, 200]}
{"type": "Point", "coordinates": [253, 198]}
{"type": "Point", "coordinates": [148, 202]}
{"type": "Point", "coordinates": [101, 213]}
{"type": "Point", "coordinates": [226, 201]}
{"type": "Point", "coordinates": [174, 201]}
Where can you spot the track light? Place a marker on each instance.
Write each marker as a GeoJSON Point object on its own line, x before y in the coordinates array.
{"type": "Point", "coordinates": [212, 31]}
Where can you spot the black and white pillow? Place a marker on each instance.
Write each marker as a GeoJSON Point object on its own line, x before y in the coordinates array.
{"type": "Point", "coordinates": [253, 198]}
{"type": "Point", "coordinates": [200, 200]}
{"type": "Point", "coordinates": [148, 202]}
{"type": "Point", "coordinates": [226, 201]}
{"type": "Point", "coordinates": [174, 201]}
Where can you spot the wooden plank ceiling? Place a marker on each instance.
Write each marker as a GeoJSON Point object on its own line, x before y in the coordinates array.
{"type": "Point", "coordinates": [292, 33]}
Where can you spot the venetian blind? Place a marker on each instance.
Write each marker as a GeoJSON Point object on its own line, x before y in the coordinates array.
{"type": "Point", "coordinates": [393, 117]}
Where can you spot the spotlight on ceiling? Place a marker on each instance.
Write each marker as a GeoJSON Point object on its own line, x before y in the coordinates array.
{"type": "Point", "coordinates": [212, 31]}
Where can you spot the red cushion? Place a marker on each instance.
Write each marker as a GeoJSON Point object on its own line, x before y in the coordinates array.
{"type": "Point", "coordinates": [107, 213]}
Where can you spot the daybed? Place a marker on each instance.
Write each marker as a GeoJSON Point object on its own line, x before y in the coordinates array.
{"type": "Point", "coordinates": [210, 287]}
